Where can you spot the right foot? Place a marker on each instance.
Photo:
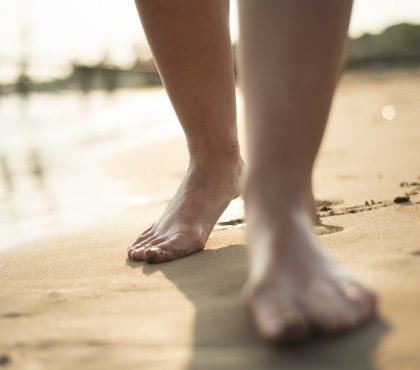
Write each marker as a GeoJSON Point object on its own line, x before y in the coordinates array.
{"type": "Point", "coordinates": [187, 222]}
{"type": "Point", "coordinates": [294, 288]}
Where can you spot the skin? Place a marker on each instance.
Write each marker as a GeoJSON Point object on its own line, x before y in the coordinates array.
{"type": "Point", "coordinates": [291, 51]}
{"type": "Point", "coordinates": [190, 42]}
{"type": "Point", "coordinates": [291, 54]}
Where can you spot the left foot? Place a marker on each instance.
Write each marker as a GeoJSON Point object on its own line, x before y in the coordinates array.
{"type": "Point", "coordinates": [187, 222]}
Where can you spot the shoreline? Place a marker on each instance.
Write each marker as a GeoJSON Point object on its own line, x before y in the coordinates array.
{"type": "Point", "coordinates": [74, 300]}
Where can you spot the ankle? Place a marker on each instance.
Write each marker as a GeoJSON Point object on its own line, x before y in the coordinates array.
{"type": "Point", "coordinates": [272, 197]}
{"type": "Point", "coordinates": [221, 154]}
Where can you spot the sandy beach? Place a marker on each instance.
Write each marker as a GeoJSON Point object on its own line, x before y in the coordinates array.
{"type": "Point", "coordinates": [73, 300]}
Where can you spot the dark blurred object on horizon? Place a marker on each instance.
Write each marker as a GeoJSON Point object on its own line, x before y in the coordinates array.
{"type": "Point", "coordinates": [102, 76]}
{"type": "Point", "coordinates": [397, 46]}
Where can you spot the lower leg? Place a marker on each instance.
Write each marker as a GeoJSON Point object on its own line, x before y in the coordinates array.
{"type": "Point", "coordinates": [291, 53]}
{"type": "Point", "coordinates": [191, 45]}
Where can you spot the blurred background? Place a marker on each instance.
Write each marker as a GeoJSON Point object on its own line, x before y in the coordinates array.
{"type": "Point", "coordinates": [78, 84]}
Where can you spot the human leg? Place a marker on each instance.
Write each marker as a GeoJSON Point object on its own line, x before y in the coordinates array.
{"type": "Point", "coordinates": [191, 45]}
{"type": "Point", "coordinates": [291, 53]}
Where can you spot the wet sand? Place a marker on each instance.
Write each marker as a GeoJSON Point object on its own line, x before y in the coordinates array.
{"type": "Point", "coordinates": [74, 300]}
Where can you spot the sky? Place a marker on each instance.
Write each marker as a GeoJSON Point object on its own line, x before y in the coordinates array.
{"type": "Point", "coordinates": [58, 31]}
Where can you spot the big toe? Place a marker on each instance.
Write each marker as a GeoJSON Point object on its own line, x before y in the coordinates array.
{"type": "Point", "coordinates": [363, 299]}
{"type": "Point", "coordinates": [157, 254]}
{"type": "Point", "coordinates": [342, 312]}
{"type": "Point", "coordinates": [136, 254]}
{"type": "Point", "coordinates": [286, 326]}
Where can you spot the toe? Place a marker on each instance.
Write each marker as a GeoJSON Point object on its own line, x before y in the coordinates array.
{"type": "Point", "coordinates": [147, 230]}
{"type": "Point", "coordinates": [327, 309]}
{"type": "Point", "coordinates": [143, 236]}
{"type": "Point", "coordinates": [156, 241]}
{"type": "Point", "coordinates": [338, 313]}
{"type": "Point", "coordinates": [362, 299]}
{"type": "Point", "coordinates": [137, 254]}
{"type": "Point", "coordinates": [276, 318]}
{"type": "Point", "coordinates": [286, 327]}
{"type": "Point", "coordinates": [170, 250]}
{"type": "Point", "coordinates": [334, 319]}
{"type": "Point", "coordinates": [157, 254]}
{"type": "Point", "coordinates": [145, 242]}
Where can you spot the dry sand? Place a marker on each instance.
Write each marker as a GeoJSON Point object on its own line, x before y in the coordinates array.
{"type": "Point", "coordinates": [75, 302]}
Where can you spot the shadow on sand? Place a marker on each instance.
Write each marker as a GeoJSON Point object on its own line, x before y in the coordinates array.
{"type": "Point", "coordinates": [224, 336]}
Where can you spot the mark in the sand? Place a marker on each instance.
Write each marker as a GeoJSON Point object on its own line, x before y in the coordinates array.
{"type": "Point", "coordinates": [400, 200]}
{"type": "Point", "coordinates": [326, 209]}
{"type": "Point", "coordinates": [4, 360]}
{"type": "Point", "coordinates": [320, 228]}
{"type": "Point", "coordinates": [324, 229]}
{"type": "Point", "coordinates": [235, 223]}
{"type": "Point", "coordinates": [415, 253]}
{"type": "Point", "coordinates": [406, 184]}
{"type": "Point", "coordinates": [327, 203]}
{"type": "Point", "coordinates": [369, 202]}
{"type": "Point", "coordinates": [12, 315]}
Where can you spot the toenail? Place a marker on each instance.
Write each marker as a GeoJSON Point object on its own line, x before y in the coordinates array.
{"type": "Point", "coordinates": [150, 249]}
{"type": "Point", "coordinates": [152, 252]}
{"type": "Point", "coordinates": [354, 293]}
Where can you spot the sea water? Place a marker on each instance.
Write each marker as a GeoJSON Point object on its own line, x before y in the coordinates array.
{"type": "Point", "coordinates": [50, 144]}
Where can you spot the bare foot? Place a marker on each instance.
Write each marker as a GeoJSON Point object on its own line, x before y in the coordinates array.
{"type": "Point", "coordinates": [294, 288]}
{"type": "Point", "coordinates": [187, 222]}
